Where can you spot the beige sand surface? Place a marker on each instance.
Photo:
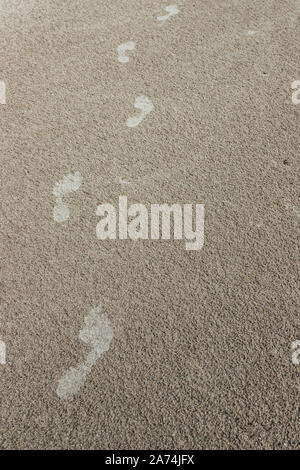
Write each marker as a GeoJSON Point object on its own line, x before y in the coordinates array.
{"type": "Point", "coordinates": [200, 355]}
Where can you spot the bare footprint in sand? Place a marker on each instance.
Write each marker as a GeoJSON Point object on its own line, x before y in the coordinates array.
{"type": "Point", "coordinates": [145, 105]}
{"type": "Point", "coordinates": [2, 352]}
{"type": "Point", "coordinates": [296, 353]}
{"type": "Point", "coordinates": [68, 184]}
{"type": "Point", "coordinates": [172, 10]}
{"type": "Point", "coordinates": [296, 94]}
{"type": "Point", "coordinates": [97, 333]}
{"type": "Point", "coordinates": [2, 92]}
{"type": "Point", "coordinates": [122, 48]}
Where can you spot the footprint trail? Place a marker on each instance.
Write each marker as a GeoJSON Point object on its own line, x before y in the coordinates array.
{"type": "Point", "coordinates": [97, 333]}
{"type": "Point", "coordinates": [122, 48]}
{"type": "Point", "coordinates": [68, 184]}
{"type": "Point", "coordinates": [145, 105]}
{"type": "Point", "coordinates": [172, 10]}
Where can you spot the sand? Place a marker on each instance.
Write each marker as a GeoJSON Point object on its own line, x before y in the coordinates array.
{"type": "Point", "coordinates": [199, 349]}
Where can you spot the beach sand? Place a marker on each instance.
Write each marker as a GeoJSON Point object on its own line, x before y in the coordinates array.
{"type": "Point", "coordinates": [200, 355]}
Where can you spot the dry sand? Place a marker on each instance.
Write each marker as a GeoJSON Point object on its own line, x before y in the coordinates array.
{"type": "Point", "coordinates": [200, 354]}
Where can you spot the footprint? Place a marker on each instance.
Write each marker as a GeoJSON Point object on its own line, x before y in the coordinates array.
{"type": "Point", "coordinates": [2, 352]}
{"type": "Point", "coordinates": [296, 94]}
{"type": "Point", "coordinates": [296, 353]}
{"type": "Point", "coordinates": [2, 92]}
{"type": "Point", "coordinates": [68, 184]}
{"type": "Point", "coordinates": [145, 105]}
{"type": "Point", "coordinates": [172, 10]}
{"type": "Point", "coordinates": [122, 48]}
{"type": "Point", "coordinates": [97, 333]}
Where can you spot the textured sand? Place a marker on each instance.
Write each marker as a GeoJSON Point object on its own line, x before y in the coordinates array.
{"type": "Point", "coordinates": [201, 348]}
